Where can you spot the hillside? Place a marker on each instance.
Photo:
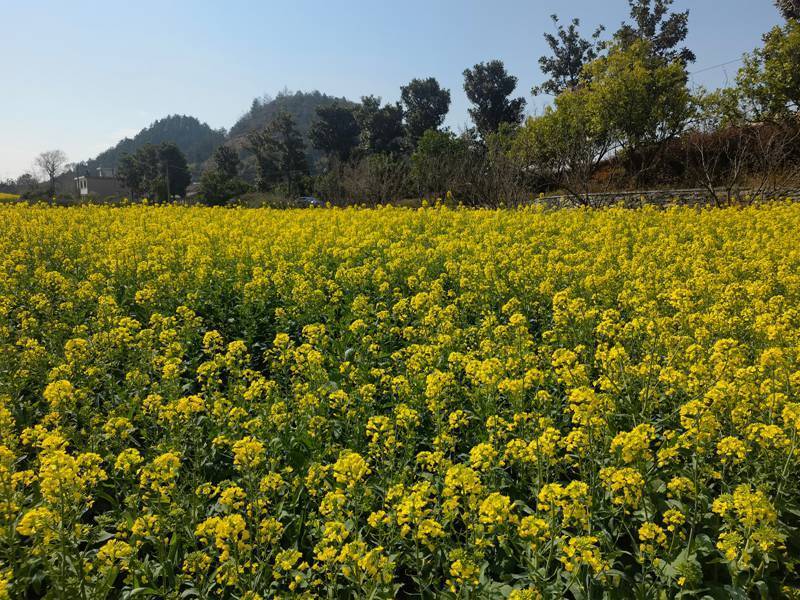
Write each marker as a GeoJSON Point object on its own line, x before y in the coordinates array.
{"type": "Point", "coordinates": [303, 108]}
{"type": "Point", "coordinates": [301, 105]}
{"type": "Point", "coordinates": [195, 139]}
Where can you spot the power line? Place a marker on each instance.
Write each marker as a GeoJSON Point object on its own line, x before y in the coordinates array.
{"type": "Point", "coordinates": [730, 62]}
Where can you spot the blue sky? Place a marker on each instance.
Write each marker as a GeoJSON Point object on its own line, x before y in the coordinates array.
{"type": "Point", "coordinates": [81, 75]}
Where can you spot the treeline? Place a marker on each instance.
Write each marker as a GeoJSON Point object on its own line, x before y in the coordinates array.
{"type": "Point", "coordinates": [622, 116]}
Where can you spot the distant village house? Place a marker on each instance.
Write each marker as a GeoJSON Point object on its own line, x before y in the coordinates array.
{"type": "Point", "coordinates": [102, 185]}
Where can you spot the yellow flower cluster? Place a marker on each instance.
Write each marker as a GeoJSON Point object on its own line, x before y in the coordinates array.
{"type": "Point", "coordinates": [433, 403]}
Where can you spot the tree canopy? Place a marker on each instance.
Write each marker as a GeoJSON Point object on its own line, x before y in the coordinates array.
{"type": "Point", "coordinates": [569, 53]}
{"type": "Point", "coordinates": [488, 87]}
{"type": "Point", "coordinates": [425, 105]}
{"type": "Point", "coordinates": [158, 172]}
{"type": "Point", "coordinates": [664, 31]}
{"type": "Point", "coordinates": [335, 131]}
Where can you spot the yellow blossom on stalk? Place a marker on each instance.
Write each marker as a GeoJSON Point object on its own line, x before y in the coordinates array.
{"type": "Point", "coordinates": [496, 511]}
{"type": "Point", "coordinates": [114, 552]}
{"type": "Point", "coordinates": [626, 486]}
{"type": "Point", "coordinates": [270, 531]}
{"type": "Point", "coordinates": [60, 395]}
{"type": "Point", "coordinates": [128, 461]}
{"type": "Point", "coordinates": [229, 535]}
{"type": "Point", "coordinates": [483, 457]}
{"type": "Point", "coordinates": [651, 539]}
{"type": "Point", "coordinates": [6, 576]}
{"type": "Point", "coordinates": [248, 453]}
{"type": "Point", "coordinates": [232, 497]}
{"type": "Point", "coordinates": [731, 449]}
{"type": "Point", "coordinates": [463, 572]}
{"type": "Point", "coordinates": [534, 530]}
{"type": "Point", "coordinates": [160, 476]}
{"type": "Point", "coordinates": [730, 544]}
{"type": "Point", "coordinates": [674, 519]}
{"type": "Point", "coordinates": [350, 469]}
{"type": "Point", "coordinates": [39, 521]}
{"type": "Point", "coordinates": [583, 551]}
{"type": "Point", "coordinates": [118, 427]}
{"type": "Point", "coordinates": [634, 445]}
{"type": "Point", "coordinates": [526, 594]}
{"type": "Point", "coordinates": [285, 561]}
{"type": "Point", "coordinates": [680, 487]}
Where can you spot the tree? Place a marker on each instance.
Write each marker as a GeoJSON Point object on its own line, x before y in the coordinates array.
{"type": "Point", "coordinates": [437, 162]}
{"type": "Point", "coordinates": [641, 99]}
{"type": "Point", "coordinates": [280, 154]}
{"type": "Point", "coordinates": [769, 80]}
{"type": "Point", "coordinates": [335, 131]}
{"type": "Point", "coordinates": [158, 172]}
{"type": "Point", "coordinates": [221, 182]}
{"type": "Point", "coordinates": [570, 52]}
{"type": "Point", "coordinates": [718, 144]}
{"type": "Point", "coordinates": [488, 87]}
{"type": "Point", "coordinates": [51, 163]}
{"type": "Point", "coordinates": [664, 31]}
{"type": "Point", "coordinates": [381, 127]}
{"type": "Point", "coordinates": [26, 182]}
{"type": "Point", "coordinates": [226, 161]}
{"type": "Point", "coordinates": [566, 144]}
{"type": "Point", "coordinates": [790, 9]}
{"type": "Point", "coordinates": [172, 164]}
{"type": "Point", "coordinates": [425, 105]}
{"type": "Point", "coordinates": [139, 171]}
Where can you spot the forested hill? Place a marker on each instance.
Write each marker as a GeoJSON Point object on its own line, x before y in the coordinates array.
{"type": "Point", "coordinates": [198, 141]}
{"type": "Point", "coordinates": [301, 105]}
{"type": "Point", "coordinates": [195, 139]}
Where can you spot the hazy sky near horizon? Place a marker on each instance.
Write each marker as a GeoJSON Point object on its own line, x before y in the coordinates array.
{"type": "Point", "coordinates": [80, 76]}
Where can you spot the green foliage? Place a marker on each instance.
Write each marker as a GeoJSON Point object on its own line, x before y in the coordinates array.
{"type": "Point", "coordinates": [196, 140]}
{"type": "Point", "coordinates": [302, 106]}
{"type": "Point", "coordinates": [664, 31]}
{"type": "Point", "coordinates": [570, 52]}
{"type": "Point", "coordinates": [437, 162]}
{"type": "Point", "coordinates": [566, 143]}
{"type": "Point", "coordinates": [488, 86]}
{"type": "Point", "coordinates": [335, 131]}
{"type": "Point", "coordinates": [221, 182]}
{"type": "Point", "coordinates": [769, 81]}
{"type": "Point", "coordinates": [381, 126]}
{"type": "Point", "coordinates": [155, 172]}
{"type": "Point", "coordinates": [226, 160]}
{"type": "Point", "coordinates": [425, 105]}
{"type": "Point", "coordinates": [790, 9]}
{"type": "Point", "coordinates": [641, 99]}
{"type": "Point", "coordinates": [280, 154]}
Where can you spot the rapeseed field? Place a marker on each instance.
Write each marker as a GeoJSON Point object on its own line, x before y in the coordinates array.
{"type": "Point", "coordinates": [433, 403]}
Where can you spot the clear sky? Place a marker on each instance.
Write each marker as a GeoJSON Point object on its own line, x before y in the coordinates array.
{"type": "Point", "coordinates": [81, 75]}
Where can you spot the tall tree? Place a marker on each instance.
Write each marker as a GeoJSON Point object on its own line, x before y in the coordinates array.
{"type": "Point", "coordinates": [226, 161]}
{"type": "Point", "coordinates": [425, 105]}
{"type": "Point", "coordinates": [51, 163]}
{"type": "Point", "coordinates": [175, 169]}
{"type": "Point", "coordinates": [653, 22]}
{"type": "Point", "coordinates": [335, 131]}
{"type": "Point", "coordinates": [157, 172]}
{"type": "Point", "coordinates": [280, 154]}
{"type": "Point", "coordinates": [570, 52]}
{"type": "Point", "coordinates": [221, 182]}
{"type": "Point", "coordinates": [381, 126]}
{"type": "Point", "coordinates": [641, 100]}
{"type": "Point", "coordinates": [488, 87]}
{"type": "Point", "coordinates": [790, 9]}
{"type": "Point", "coordinates": [769, 80]}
